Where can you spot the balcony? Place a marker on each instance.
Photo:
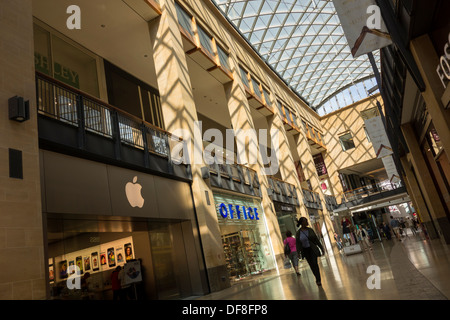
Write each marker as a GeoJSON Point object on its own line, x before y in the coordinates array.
{"type": "Point", "coordinates": [373, 196]}
{"type": "Point", "coordinates": [233, 177]}
{"type": "Point", "coordinates": [73, 122]}
{"type": "Point", "coordinates": [315, 138]}
{"type": "Point", "coordinates": [282, 191]}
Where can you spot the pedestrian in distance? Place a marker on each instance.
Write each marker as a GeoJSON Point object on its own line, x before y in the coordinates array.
{"type": "Point", "coordinates": [293, 254]}
{"type": "Point", "coordinates": [310, 247]}
{"type": "Point", "coordinates": [338, 241]}
{"type": "Point", "coordinates": [364, 235]}
{"type": "Point", "coordinates": [395, 225]}
{"type": "Point", "coordinates": [387, 231]}
{"type": "Point", "coordinates": [115, 283]}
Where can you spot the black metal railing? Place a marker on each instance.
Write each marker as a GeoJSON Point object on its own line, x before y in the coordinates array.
{"type": "Point", "coordinates": [75, 108]}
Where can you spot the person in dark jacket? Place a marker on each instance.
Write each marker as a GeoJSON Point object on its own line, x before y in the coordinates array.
{"type": "Point", "coordinates": [309, 246]}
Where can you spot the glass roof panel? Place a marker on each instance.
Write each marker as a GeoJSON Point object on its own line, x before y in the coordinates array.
{"type": "Point", "coordinates": [304, 43]}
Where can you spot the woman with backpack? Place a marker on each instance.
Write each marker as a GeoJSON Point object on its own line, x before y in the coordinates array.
{"type": "Point", "coordinates": [290, 250]}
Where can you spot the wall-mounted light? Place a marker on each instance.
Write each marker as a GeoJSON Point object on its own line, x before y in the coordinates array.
{"type": "Point", "coordinates": [19, 109]}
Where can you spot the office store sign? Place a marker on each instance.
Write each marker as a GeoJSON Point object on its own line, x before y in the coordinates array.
{"type": "Point", "coordinates": [443, 69]}
{"type": "Point", "coordinates": [230, 211]}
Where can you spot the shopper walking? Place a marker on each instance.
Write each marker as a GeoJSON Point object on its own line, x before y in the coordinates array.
{"type": "Point", "coordinates": [387, 231]}
{"type": "Point", "coordinates": [395, 225]}
{"type": "Point", "coordinates": [293, 255]}
{"type": "Point", "coordinates": [115, 283]}
{"type": "Point", "coordinates": [364, 236]}
{"type": "Point", "coordinates": [310, 247]}
{"type": "Point", "coordinates": [410, 225]}
{"type": "Point", "coordinates": [338, 241]}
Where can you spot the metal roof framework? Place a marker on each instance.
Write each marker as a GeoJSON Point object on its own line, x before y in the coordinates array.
{"type": "Point", "coordinates": [303, 41]}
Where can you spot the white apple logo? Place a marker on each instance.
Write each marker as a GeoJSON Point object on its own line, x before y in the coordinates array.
{"type": "Point", "coordinates": [133, 193]}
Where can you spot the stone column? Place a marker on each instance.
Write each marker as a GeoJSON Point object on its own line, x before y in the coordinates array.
{"type": "Point", "coordinates": [22, 259]}
{"type": "Point", "coordinates": [177, 103]}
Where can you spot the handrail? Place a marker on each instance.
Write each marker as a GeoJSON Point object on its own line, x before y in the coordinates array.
{"type": "Point", "coordinates": [365, 190]}
{"type": "Point", "coordinates": [70, 105]}
{"type": "Point", "coordinates": [103, 103]}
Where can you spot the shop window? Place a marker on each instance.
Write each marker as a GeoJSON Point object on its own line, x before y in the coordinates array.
{"type": "Point", "coordinates": [280, 109]}
{"type": "Point", "coordinates": [133, 96]}
{"type": "Point", "coordinates": [223, 58]}
{"type": "Point", "coordinates": [346, 141]}
{"type": "Point", "coordinates": [42, 51]}
{"type": "Point", "coordinates": [244, 77]}
{"type": "Point", "coordinates": [65, 62]}
{"type": "Point", "coordinates": [294, 120]}
{"type": "Point", "coordinates": [185, 20]}
{"type": "Point", "coordinates": [288, 116]}
{"type": "Point", "coordinates": [244, 236]}
{"type": "Point", "coordinates": [206, 41]}
{"type": "Point", "coordinates": [256, 88]}
{"type": "Point", "coordinates": [267, 97]}
{"type": "Point", "coordinates": [434, 140]}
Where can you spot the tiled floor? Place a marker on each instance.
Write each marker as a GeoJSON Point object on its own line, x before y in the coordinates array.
{"type": "Point", "coordinates": [414, 269]}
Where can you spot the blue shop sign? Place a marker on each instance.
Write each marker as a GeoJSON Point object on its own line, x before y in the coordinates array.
{"type": "Point", "coordinates": [238, 212]}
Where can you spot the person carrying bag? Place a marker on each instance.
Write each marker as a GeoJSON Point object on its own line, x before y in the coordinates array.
{"type": "Point", "coordinates": [309, 246]}
{"type": "Point", "coordinates": [290, 252]}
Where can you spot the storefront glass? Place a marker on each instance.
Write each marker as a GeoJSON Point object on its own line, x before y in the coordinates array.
{"type": "Point", "coordinates": [437, 161]}
{"type": "Point", "coordinates": [244, 235]}
{"type": "Point", "coordinates": [65, 62]}
{"type": "Point", "coordinates": [287, 218]}
{"type": "Point", "coordinates": [84, 251]}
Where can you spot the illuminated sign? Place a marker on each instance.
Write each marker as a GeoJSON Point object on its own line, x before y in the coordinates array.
{"type": "Point", "coordinates": [443, 69]}
{"type": "Point", "coordinates": [238, 212]}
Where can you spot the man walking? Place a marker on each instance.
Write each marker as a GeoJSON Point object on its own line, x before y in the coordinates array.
{"type": "Point", "coordinates": [395, 225]}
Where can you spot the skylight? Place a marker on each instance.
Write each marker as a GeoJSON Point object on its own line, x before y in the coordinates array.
{"type": "Point", "coordinates": [304, 43]}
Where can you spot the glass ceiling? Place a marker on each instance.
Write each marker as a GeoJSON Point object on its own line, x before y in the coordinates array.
{"type": "Point", "coordinates": [304, 43]}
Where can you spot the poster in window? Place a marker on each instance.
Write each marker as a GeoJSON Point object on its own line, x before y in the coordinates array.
{"type": "Point", "coordinates": [132, 272]}
{"type": "Point", "coordinates": [103, 258]}
{"type": "Point", "coordinates": [128, 252]}
{"type": "Point", "coordinates": [63, 269]}
{"type": "Point", "coordinates": [51, 273]}
{"type": "Point", "coordinates": [119, 255]}
{"type": "Point", "coordinates": [87, 263]}
{"type": "Point", "coordinates": [111, 258]}
{"type": "Point", "coordinates": [79, 262]}
{"type": "Point", "coordinates": [95, 262]}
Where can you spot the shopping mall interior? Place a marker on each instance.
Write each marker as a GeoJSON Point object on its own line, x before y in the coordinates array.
{"type": "Point", "coordinates": [170, 149]}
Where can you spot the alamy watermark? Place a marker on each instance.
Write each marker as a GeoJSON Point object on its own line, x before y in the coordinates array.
{"type": "Point", "coordinates": [253, 147]}
{"type": "Point", "coordinates": [374, 281]}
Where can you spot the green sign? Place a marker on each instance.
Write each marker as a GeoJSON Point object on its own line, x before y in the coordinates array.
{"type": "Point", "coordinates": [41, 63]}
{"type": "Point", "coordinates": [66, 75]}
{"type": "Point", "coordinates": [60, 72]}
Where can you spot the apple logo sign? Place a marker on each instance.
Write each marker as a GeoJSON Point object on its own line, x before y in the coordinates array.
{"type": "Point", "coordinates": [133, 193]}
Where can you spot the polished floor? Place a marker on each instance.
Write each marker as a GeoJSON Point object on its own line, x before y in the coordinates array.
{"type": "Point", "coordinates": [413, 269]}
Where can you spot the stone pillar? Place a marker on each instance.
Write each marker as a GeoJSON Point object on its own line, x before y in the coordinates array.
{"type": "Point", "coordinates": [426, 183]}
{"type": "Point", "coordinates": [177, 103]}
{"type": "Point", "coordinates": [309, 168]}
{"type": "Point", "coordinates": [241, 118]}
{"type": "Point", "coordinates": [22, 260]}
